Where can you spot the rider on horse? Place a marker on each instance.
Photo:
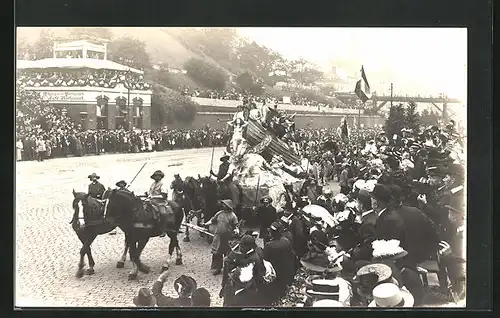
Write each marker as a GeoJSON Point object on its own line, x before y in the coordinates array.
{"type": "Point", "coordinates": [96, 189]}
{"type": "Point", "coordinates": [158, 196]}
{"type": "Point", "coordinates": [225, 178]}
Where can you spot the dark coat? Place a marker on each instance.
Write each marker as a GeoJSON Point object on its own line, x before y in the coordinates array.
{"type": "Point", "coordinates": [422, 239]}
{"type": "Point", "coordinates": [390, 225]}
{"type": "Point", "coordinates": [96, 190]}
{"type": "Point", "coordinates": [266, 216]}
{"type": "Point", "coordinates": [250, 296]}
{"type": "Point", "coordinates": [366, 232]}
{"type": "Point", "coordinates": [300, 236]}
{"type": "Point", "coordinates": [279, 253]}
{"type": "Point", "coordinates": [165, 301]}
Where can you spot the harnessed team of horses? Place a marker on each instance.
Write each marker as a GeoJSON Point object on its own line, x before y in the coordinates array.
{"type": "Point", "coordinates": [139, 220]}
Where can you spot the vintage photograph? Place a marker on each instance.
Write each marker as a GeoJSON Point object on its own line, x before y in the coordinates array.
{"type": "Point", "coordinates": [240, 167]}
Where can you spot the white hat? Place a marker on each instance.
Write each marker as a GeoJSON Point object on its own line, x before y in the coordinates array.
{"type": "Point", "coordinates": [327, 303]}
{"type": "Point", "coordinates": [389, 295]}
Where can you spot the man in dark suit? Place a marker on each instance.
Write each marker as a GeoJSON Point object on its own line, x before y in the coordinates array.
{"type": "Point", "coordinates": [266, 215]}
{"type": "Point", "coordinates": [368, 218]}
{"type": "Point", "coordinates": [389, 224]}
{"type": "Point", "coordinates": [421, 232]}
{"type": "Point", "coordinates": [96, 189]}
{"type": "Point", "coordinates": [280, 254]}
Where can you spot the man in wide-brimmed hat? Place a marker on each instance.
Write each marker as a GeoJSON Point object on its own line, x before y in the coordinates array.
{"type": "Point", "coordinates": [96, 189]}
{"type": "Point", "coordinates": [225, 178]}
{"type": "Point", "coordinates": [266, 214]}
{"type": "Point", "coordinates": [158, 196]}
{"type": "Point", "coordinates": [389, 295]}
{"type": "Point", "coordinates": [225, 222]}
{"type": "Point", "coordinates": [236, 290]}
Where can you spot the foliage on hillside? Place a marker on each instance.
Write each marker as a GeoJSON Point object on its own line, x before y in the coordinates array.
{"type": "Point", "coordinates": [206, 74]}
{"type": "Point", "coordinates": [169, 106]}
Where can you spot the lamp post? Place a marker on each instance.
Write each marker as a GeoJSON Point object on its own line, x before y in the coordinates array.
{"type": "Point", "coordinates": [392, 87]}
{"type": "Point", "coordinates": [127, 82]}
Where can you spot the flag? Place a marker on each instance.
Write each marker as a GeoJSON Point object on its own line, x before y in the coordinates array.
{"type": "Point", "coordinates": [362, 89]}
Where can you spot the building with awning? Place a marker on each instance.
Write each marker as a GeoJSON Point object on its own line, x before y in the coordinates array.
{"type": "Point", "coordinates": [97, 92]}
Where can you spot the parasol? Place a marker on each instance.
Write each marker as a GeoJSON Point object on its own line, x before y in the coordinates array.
{"type": "Point", "coordinates": [320, 212]}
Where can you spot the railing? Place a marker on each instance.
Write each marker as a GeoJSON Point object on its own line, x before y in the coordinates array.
{"type": "Point", "coordinates": [289, 107]}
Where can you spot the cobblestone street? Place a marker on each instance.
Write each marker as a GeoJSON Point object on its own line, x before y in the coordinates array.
{"type": "Point", "coordinates": [47, 249]}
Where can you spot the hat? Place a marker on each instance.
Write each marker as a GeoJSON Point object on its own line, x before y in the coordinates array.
{"type": "Point", "coordinates": [381, 192]}
{"type": "Point", "coordinates": [319, 239]}
{"type": "Point", "coordinates": [381, 271]}
{"type": "Point", "coordinates": [157, 173]}
{"type": "Point", "coordinates": [225, 156]}
{"type": "Point", "coordinates": [247, 240]}
{"type": "Point", "coordinates": [335, 289]}
{"type": "Point", "coordinates": [121, 184]}
{"type": "Point", "coordinates": [327, 303]}
{"type": "Point", "coordinates": [144, 298]}
{"type": "Point", "coordinates": [390, 295]}
{"type": "Point", "coordinates": [266, 199]}
{"type": "Point", "coordinates": [228, 203]}
{"type": "Point", "coordinates": [200, 298]}
{"type": "Point", "coordinates": [93, 175]}
{"type": "Point", "coordinates": [185, 285]}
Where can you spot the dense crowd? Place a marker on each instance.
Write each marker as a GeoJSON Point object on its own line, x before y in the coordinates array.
{"type": "Point", "coordinates": [94, 78]}
{"type": "Point", "coordinates": [69, 142]}
{"type": "Point", "coordinates": [399, 217]}
{"type": "Point", "coordinates": [233, 94]}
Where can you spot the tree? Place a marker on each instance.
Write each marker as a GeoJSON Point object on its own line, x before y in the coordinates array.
{"type": "Point", "coordinates": [249, 84]}
{"type": "Point", "coordinates": [96, 32]}
{"type": "Point", "coordinates": [429, 118]}
{"type": "Point", "coordinates": [304, 72]}
{"type": "Point", "coordinates": [129, 51]}
{"type": "Point", "coordinates": [206, 74]}
{"type": "Point", "coordinates": [169, 106]}
{"type": "Point", "coordinates": [44, 46]}
{"type": "Point", "coordinates": [412, 120]}
{"type": "Point", "coordinates": [395, 121]}
{"type": "Point", "coordinates": [24, 50]}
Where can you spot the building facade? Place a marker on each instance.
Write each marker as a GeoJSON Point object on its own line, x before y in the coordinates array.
{"type": "Point", "coordinates": [96, 92]}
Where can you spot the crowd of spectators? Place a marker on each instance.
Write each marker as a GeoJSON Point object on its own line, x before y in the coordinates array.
{"type": "Point", "coordinates": [233, 94]}
{"type": "Point", "coordinates": [38, 124]}
{"type": "Point", "coordinates": [94, 78]}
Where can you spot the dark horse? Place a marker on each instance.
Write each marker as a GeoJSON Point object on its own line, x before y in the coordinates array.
{"type": "Point", "coordinates": [192, 203]}
{"type": "Point", "coordinates": [94, 225]}
{"type": "Point", "coordinates": [125, 210]}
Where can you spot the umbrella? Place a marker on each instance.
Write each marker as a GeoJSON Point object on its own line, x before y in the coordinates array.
{"type": "Point", "coordinates": [320, 212]}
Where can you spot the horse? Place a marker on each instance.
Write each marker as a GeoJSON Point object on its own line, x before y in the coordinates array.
{"type": "Point", "coordinates": [125, 210]}
{"type": "Point", "coordinates": [94, 224]}
{"type": "Point", "coordinates": [192, 203]}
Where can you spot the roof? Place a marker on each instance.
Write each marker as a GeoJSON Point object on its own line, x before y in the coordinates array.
{"type": "Point", "coordinates": [74, 63]}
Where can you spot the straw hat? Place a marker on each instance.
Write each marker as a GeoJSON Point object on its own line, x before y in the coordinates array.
{"type": "Point", "coordinates": [389, 295]}
{"type": "Point", "coordinates": [93, 175]}
{"type": "Point", "coordinates": [327, 303]}
{"type": "Point", "coordinates": [157, 173]}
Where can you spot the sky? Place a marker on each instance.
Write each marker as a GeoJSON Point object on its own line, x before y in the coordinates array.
{"type": "Point", "coordinates": [423, 61]}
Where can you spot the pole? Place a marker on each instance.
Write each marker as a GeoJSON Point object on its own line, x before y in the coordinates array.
{"type": "Point", "coordinates": [212, 160]}
{"type": "Point", "coordinates": [128, 185]}
{"type": "Point", "coordinates": [128, 108]}
{"type": "Point", "coordinates": [359, 115]}
{"type": "Point", "coordinates": [391, 93]}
